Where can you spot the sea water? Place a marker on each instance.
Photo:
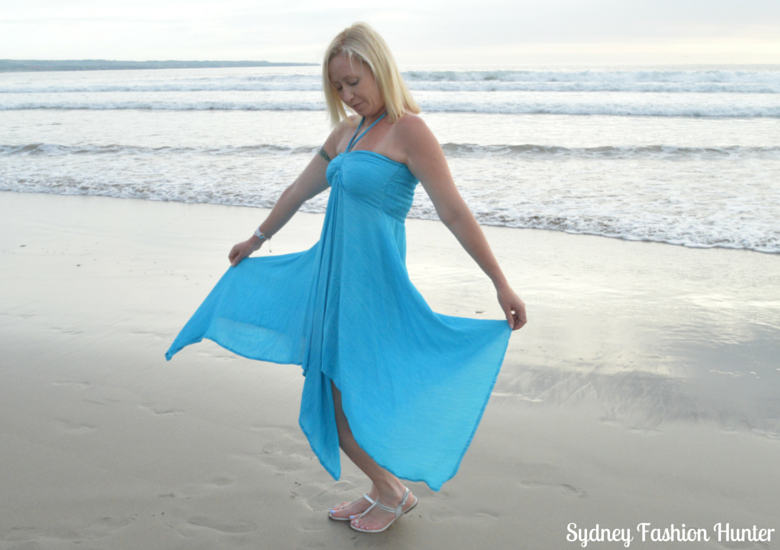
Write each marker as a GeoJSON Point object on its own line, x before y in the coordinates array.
{"type": "Point", "coordinates": [683, 155]}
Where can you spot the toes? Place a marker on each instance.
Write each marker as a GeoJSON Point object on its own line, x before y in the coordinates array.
{"type": "Point", "coordinates": [338, 512]}
{"type": "Point", "coordinates": [367, 523]}
{"type": "Point", "coordinates": [338, 507]}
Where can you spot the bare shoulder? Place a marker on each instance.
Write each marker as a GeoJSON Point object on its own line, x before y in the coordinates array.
{"type": "Point", "coordinates": [414, 136]}
{"type": "Point", "coordinates": [336, 136]}
{"type": "Point", "coordinates": [412, 126]}
{"type": "Point", "coordinates": [344, 126]}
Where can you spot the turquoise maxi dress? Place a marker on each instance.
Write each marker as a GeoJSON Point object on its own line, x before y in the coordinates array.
{"type": "Point", "coordinates": [414, 383]}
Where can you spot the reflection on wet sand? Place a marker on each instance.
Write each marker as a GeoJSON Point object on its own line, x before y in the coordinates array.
{"type": "Point", "coordinates": [698, 370]}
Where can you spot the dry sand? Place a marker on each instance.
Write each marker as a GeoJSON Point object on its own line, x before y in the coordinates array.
{"type": "Point", "coordinates": [644, 389]}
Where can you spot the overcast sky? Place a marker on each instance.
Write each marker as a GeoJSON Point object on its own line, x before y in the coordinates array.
{"type": "Point", "coordinates": [418, 31]}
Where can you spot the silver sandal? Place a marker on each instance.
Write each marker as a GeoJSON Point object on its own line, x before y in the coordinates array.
{"type": "Point", "coordinates": [398, 511]}
{"type": "Point", "coordinates": [330, 512]}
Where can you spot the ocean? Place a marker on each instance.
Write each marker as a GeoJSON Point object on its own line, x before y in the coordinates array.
{"type": "Point", "coordinates": [685, 155]}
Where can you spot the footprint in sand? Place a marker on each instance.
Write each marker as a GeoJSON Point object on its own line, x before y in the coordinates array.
{"type": "Point", "coordinates": [564, 488]}
{"type": "Point", "coordinates": [77, 385]}
{"type": "Point", "coordinates": [221, 481]}
{"type": "Point", "coordinates": [104, 526]}
{"type": "Point", "coordinates": [73, 427]}
{"type": "Point", "coordinates": [189, 491]}
{"type": "Point", "coordinates": [320, 496]}
{"type": "Point", "coordinates": [444, 507]}
{"type": "Point", "coordinates": [546, 476]}
{"type": "Point", "coordinates": [284, 450]}
{"type": "Point", "coordinates": [314, 530]}
{"type": "Point", "coordinates": [437, 513]}
{"type": "Point", "coordinates": [68, 331]}
{"type": "Point", "coordinates": [161, 410]}
{"type": "Point", "coordinates": [94, 402]}
{"type": "Point", "coordinates": [225, 526]}
{"type": "Point", "coordinates": [153, 335]}
{"type": "Point", "coordinates": [96, 529]}
{"type": "Point", "coordinates": [16, 534]}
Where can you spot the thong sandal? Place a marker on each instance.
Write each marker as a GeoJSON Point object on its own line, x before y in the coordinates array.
{"type": "Point", "coordinates": [398, 511]}
{"type": "Point", "coordinates": [337, 518]}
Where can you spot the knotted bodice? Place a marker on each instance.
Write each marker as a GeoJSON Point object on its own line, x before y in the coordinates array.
{"type": "Point", "coordinates": [375, 181]}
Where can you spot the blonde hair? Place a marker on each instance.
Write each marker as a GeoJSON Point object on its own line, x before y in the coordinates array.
{"type": "Point", "coordinates": [364, 43]}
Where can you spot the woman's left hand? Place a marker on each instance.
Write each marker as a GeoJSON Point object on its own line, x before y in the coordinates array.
{"type": "Point", "coordinates": [513, 307]}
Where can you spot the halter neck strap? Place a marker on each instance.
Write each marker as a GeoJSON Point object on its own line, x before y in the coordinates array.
{"type": "Point", "coordinates": [353, 141]}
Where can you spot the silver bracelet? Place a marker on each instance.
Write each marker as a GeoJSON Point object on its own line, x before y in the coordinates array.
{"type": "Point", "coordinates": [259, 234]}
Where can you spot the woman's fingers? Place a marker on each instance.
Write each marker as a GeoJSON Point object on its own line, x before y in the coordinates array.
{"type": "Point", "coordinates": [513, 307]}
{"type": "Point", "coordinates": [515, 312]}
{"type": "Point", "coordinates": [236, 255]}
{"type": "Point", "coordinates": [518, 312]}
{"type": "Point", "coordinates": [520, 319]}
{"type": "Point", "coordinates": [510, 318]}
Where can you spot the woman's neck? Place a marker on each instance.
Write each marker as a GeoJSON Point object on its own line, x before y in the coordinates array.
{"type": "Point", "coordinates": [372, 118]}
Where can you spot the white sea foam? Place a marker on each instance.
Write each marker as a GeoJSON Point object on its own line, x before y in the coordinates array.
{"type": "Point", "coordinates": [659, 152]}
{"type": "Point", "coordinates": [688, 157]}
{"type": "Point", "coordinates": [452, 150]}
{"type": "Point", "coordinates": [735, 82]}
{"type": "Point", "coordinates": [698, 197]}
{"type": "Point", "coordinates": [56, 150]}
{"type": "Point", "coordinates": [628, 92]}
{"type": "Point", "coordinates": [663, 105]}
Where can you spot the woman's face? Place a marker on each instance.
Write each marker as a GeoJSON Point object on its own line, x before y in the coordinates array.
{"type": "Point", "coordinates": [355, 85]}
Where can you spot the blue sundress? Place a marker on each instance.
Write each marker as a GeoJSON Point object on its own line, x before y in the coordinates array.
{"type": "Point", "coordinates": [414, 383]}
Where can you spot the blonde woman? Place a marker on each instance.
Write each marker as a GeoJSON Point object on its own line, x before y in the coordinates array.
{"type": "Point", "coordinates": [399, 388]}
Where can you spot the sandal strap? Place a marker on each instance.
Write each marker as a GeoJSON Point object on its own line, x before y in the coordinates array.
{"type": "Point", "coordinates": [398, 510]}
{"type": "Point", "coordinates": [373, 503]}
{"type": "Point", "coordinates": [368, 498]}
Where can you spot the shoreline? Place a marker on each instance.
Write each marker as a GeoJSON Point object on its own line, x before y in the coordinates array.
{"type": "Point", "coordinates": [644, 389]}
{"type": "Point", "coordinates": [482, 224]}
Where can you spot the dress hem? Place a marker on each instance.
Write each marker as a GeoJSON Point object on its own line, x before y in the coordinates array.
{"type": "Point", "coordinates": [230, 349]}
{"type": "Point", "coordinates": [478, 419]}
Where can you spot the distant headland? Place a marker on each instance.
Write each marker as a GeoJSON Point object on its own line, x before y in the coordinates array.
{"type": "Point", "coordinates": [33, 65]}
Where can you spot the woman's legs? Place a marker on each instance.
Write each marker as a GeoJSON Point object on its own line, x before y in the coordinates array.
{"type": "Point", "coordinates": [387, 488]}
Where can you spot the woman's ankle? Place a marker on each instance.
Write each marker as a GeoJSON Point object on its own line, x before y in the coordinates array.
{"type": "Point", "coordinates": [393, 491]}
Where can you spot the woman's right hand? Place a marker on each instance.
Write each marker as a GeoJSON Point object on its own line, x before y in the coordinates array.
{"type": "Point", "coordinates": [244, 249]}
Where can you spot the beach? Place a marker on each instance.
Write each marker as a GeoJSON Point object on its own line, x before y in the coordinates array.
{"type": "Point", "coordinates": [643, 390]}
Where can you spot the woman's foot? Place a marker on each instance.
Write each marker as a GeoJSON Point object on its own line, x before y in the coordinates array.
{"type": "Point", "coordinates": [355, 508]}
{"type": "Point", "coordinates": [378, 519]}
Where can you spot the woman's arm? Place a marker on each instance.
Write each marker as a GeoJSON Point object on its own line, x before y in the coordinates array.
{"type": "Point", "coordinates": [311, 182]}
{"type": "Point", "coordinates": [425, 159]}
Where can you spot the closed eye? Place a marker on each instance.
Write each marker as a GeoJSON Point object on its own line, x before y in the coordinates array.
{"type": "Point", "coordinates": [338, 88]}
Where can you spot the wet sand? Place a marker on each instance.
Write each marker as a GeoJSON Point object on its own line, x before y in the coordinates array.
{"type": "Point", "coordinates": [645, 389]}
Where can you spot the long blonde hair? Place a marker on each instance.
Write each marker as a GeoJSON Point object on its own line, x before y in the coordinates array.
{"type": "Point", "coordinates": [364, 43]}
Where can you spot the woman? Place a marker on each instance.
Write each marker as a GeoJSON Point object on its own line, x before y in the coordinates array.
{"type": "Point", "coordinates": [399, 388]}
